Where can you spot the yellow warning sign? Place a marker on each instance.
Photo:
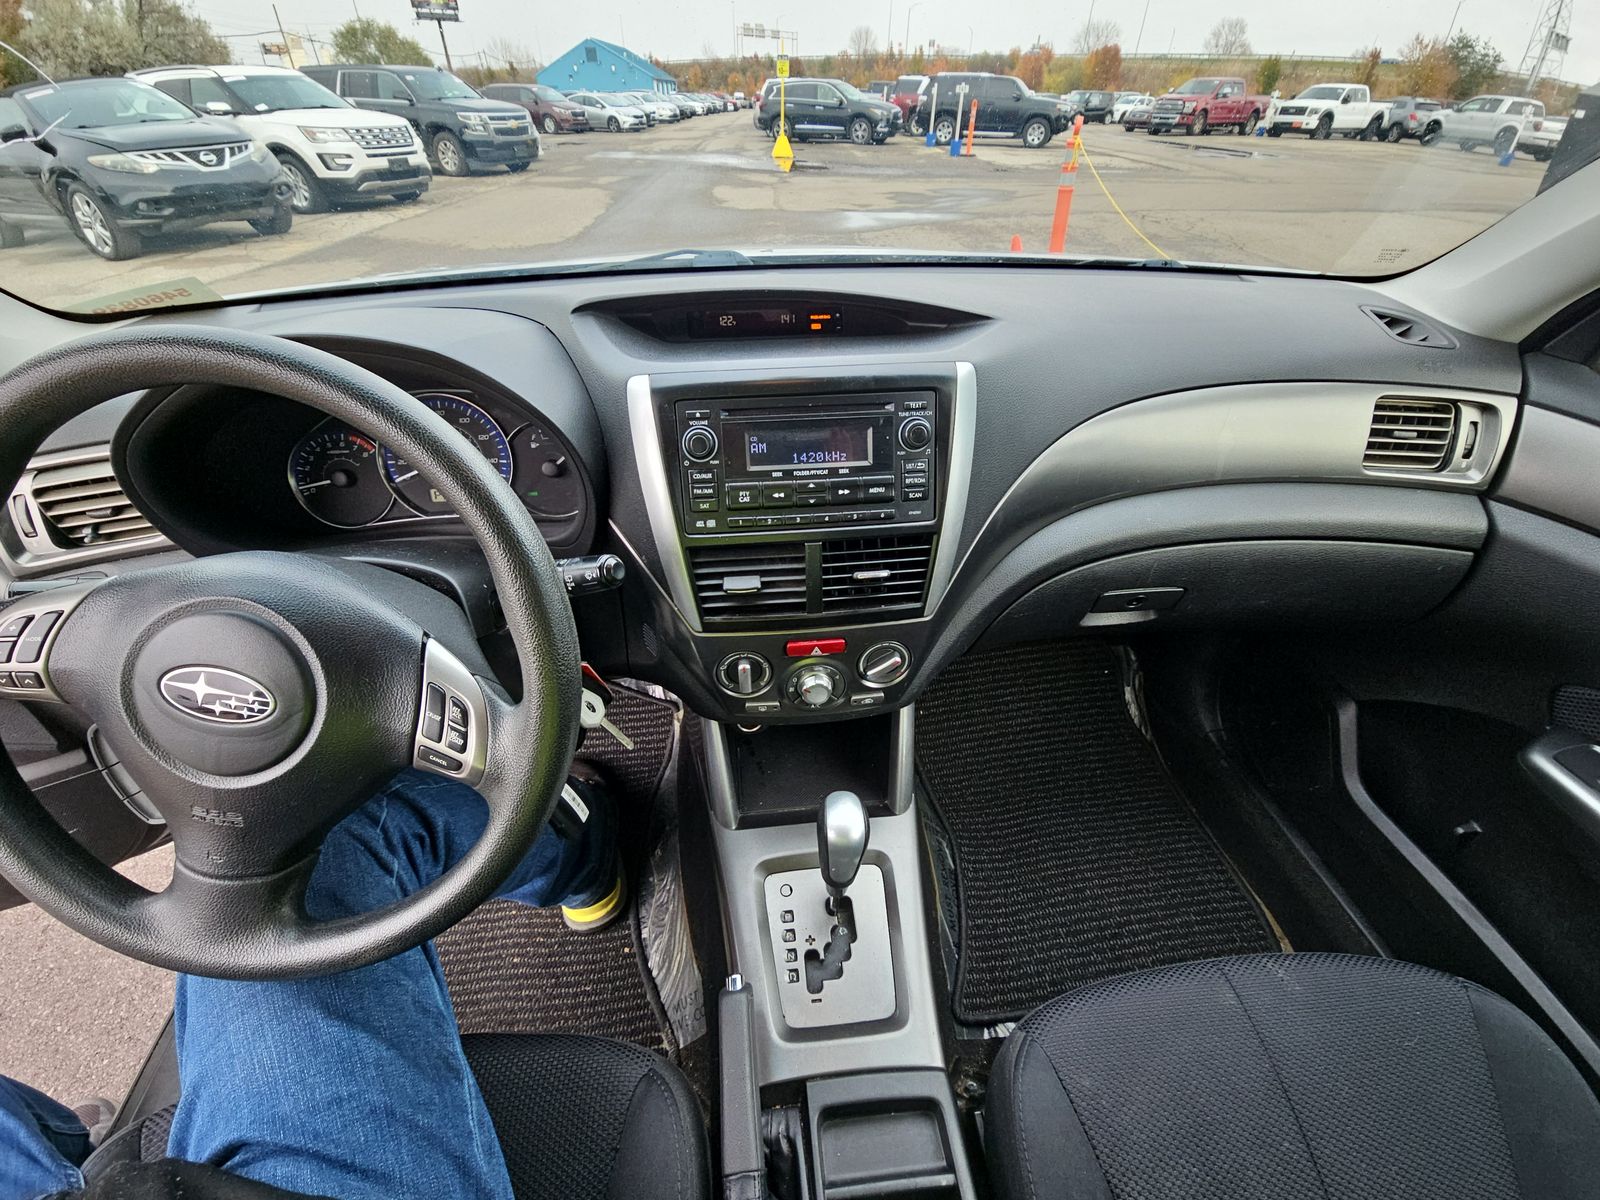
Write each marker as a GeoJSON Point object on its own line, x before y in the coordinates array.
{"type": "Point", "coordinates": [783, 68]}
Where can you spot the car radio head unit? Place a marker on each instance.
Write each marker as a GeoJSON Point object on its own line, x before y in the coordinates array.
{"type": "Point", "coordinates": [789, 462]}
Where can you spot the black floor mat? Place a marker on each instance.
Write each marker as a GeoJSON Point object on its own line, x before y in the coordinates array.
{"type": "Point", "coordinates": [1076, 858]}
{"type": "Point", "coordinates": [515, 969]}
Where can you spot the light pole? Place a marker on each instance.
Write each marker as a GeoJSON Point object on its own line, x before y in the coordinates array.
{"type": "Point", "coordinates": [1140, 38]}
{"type": "Point", "coordinates": [888, 27]}
{"type": "Point", "coordinates": [969, 41]}
{"type": "Point", "coordinates": [1453, 17]}
{"type": "Point", "coordinates": [906, 45]}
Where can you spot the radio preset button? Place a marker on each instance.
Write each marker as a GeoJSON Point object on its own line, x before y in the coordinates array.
{"type": "Point", "coordinates": [777, 495]}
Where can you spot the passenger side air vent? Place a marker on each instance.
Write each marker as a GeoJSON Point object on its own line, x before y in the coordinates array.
{"type": "Point", "coordinates": [83, 505]}
{"type": "Point", "coordinates": [1408, 329]}
{"type": "Point", "coordinates": [749, 581]}
{"type": "Point", "coordinates": [875, 572]}
{"type": "Point", "coordinates": [1410, 435]}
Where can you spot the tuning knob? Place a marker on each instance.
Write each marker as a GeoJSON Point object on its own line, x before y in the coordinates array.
{"type": "Point", "coordinates": [916, 433]}
{"type": "Point", "coordinates": [816, 686]}
{"type": "Point", "coordinates": [699, 444]}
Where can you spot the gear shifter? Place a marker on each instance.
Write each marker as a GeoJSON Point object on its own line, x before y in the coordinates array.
{"type": "Point", "coordinates": [842, 832]}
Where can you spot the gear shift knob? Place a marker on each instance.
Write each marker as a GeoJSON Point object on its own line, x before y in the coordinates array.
{"type": "Point", "coordinates": [842, 832]}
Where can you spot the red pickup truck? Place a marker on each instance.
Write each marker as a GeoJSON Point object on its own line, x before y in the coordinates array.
{"type": "Point", "coordinates": [1201, 105]}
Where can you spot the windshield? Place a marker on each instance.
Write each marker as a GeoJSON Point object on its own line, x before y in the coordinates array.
{"type": "Point", "coordinates": [103, 104]}
{"type": "Point", "coordinates": [437, 85]}
{"type": "Point", "coordinates": [271, 93]}
{"type": "Point", "coordinates": [1187, 152]}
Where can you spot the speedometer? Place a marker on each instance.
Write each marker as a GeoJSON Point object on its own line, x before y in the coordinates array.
{"type": "Point", "coordinates": [334, 473]}
{"type": "Point", "coordinates": [477, 426]}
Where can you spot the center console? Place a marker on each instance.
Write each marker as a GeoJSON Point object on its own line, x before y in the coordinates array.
{"type": "Point", "coordinates": [806, 524]}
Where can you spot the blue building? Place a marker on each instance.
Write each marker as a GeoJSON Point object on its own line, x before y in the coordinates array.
{"type": "Point", "coordinates": [596, 66]}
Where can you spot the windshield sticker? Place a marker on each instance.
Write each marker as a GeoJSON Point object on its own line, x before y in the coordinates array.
{"type": "Point", "coordinates": [176, 291]}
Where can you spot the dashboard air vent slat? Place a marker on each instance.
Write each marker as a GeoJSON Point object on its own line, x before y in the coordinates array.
{"type": "Point", "coordinates": [749, 581]}
{"type": "Point", "coordinates": [1408, 329]}
{"type": "Point", "coordinates": [85, 506]}
{"type": "Point", "coordinates": [875, 572]}
{"type": "Point", "coordinates": [1410, 435]}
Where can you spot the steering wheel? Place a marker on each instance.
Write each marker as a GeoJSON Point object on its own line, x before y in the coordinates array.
{"type": "Point", "coordinates": [255, 699]}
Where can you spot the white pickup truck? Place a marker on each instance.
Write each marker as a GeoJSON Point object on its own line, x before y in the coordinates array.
{"type": "Point", "coordinates": [1325, 109]}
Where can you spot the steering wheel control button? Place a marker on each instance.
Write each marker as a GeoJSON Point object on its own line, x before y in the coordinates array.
{"type": "Point", "coordinates": [7, 650]}
{"type": "Point", "coordinates": [884, 665]}
{"type": "Point", "coordinates": [12, 629]}
{"type": "Point", "coordinates": [31, 644]}
{"type": "Point", "coordinates": [699, 444]}
{"type": "Point", "coordinates": [812, 647]}
{"type": "Point", "coordinates": [427, 756]}
{"type": "Point", "coordinates": [744, 673]}
{"type": "Point", "coordinates": [452, 723]}
{"type": "Point", "coordinates": [29, 680]}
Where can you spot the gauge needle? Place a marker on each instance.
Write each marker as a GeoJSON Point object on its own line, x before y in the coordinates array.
{"type": "Point", "coordinates": [311, 487]}
{"type": "Point", "coordinates": [406, 476]}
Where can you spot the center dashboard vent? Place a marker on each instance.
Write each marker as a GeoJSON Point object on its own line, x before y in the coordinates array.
{"type": "Point", "coordinates": [750, 581]}
{"type": "Point", "coordinates": [84, 505]}
{"type": "Point", "coordinates": [875, 572]}
{"type": "Point", "coordinates": [1410, 435]}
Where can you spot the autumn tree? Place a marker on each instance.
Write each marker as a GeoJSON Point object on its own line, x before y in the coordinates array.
{"type": "Point", "coordinates": [12, 69]}
{"type": "Point", "coordinates": [1367, 73]}
{"type": "Point", "coordinates": [1103, 67]}
{"type": "Point", "coordinates": [1229, 38]}
{"type": "Point", "coordinates": [110, 37]}
{"type": "Point", "coordinates": [369, 40]}
{"type": "Point", "coordinates": [1426, 68]}
{"type": "Point", "coordinates": [1031, 66]}
{"type": "Point", "coordinates": [1268, 74]}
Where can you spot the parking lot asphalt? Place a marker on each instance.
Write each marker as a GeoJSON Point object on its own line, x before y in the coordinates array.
{"type": "Point", "coordinates": [77, 1019]}
{"type": "Point", "coordinates": [1343, 207]}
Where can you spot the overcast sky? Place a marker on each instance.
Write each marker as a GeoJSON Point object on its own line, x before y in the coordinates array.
{"type": "Point", "coordinates": [681, 28]}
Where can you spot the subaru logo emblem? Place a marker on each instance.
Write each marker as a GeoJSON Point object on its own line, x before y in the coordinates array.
{"type": "Point", "coordinates": [209, 157]}
{"type": "Point", "coordinates": [217, 694]}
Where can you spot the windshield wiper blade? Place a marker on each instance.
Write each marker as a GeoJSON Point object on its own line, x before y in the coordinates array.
{"type": "Point", "coordinates": [684, 258]}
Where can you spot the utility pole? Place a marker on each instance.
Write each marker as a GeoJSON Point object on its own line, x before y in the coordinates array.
{"type": "Point", "coordinates": [282, 36]}
{"type": "Point", "coordinates": [312, 42]}
{"type": "Point", "coordinates": [1453, 17]}
{"type": "Point", "coordinates": [888, 33]}
{"type": "Point", "coordinates": [448, 65]}
{"type": "Point", "coordinates": [1140, 38]}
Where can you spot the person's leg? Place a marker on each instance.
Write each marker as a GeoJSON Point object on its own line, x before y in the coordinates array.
{"type": "Point", "coordinates": [355, 1085]}
{"type": "Point", "coordinates": [41, 1143]}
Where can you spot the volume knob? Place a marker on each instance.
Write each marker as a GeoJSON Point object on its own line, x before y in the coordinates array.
{"type": "Point", "coordinates": [699, 444]}
{"type": "Point", "coordinates": [916, 433]}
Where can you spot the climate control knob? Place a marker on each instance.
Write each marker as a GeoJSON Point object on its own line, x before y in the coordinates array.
{"type": "Point", "coordinates": [916, 433]}
{"type": "Point", "coordinates": [816, 686]}
{"type": "Point", "coordinates": [884, 665]}
{"type": "Point", "coordinates": [744, 674]}
{"type": "Point", "coordinates": [699, 444]}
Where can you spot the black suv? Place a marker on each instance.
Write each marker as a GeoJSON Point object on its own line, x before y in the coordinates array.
{"type": "Point", "coordinates": [119, 160]}
{"type": "Point", "coordinates": [1006, 108]}
{"type": "Point", "coordinates": [459, 127]}
{"type": "Point", "coordinates": [829, 108]}
{"type": "Point", "coordinates": [1094, 105]}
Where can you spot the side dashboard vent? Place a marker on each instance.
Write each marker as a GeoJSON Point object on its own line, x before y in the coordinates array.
{"type": "Point", "coordinates": [749, 581]}
{"type": "Point", "coordinates": [875, 572]}
{"type": "Point", "coordinates": [1410, 435]}
{"type": "Point", "coordinates": [83, 505]}
{"type": "Point", "coordinates": [1408, 329]}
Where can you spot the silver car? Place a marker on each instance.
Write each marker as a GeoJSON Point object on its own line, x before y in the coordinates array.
{"type": "Point", "coordinates": [608, 111]}
{"type": "Point", "coordinates": [659, 106]}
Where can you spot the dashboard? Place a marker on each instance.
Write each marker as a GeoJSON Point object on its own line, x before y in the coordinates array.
{"type": "Point", "coordinates": [826, 484]}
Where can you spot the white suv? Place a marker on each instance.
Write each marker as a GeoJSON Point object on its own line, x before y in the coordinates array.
{"type": "Point", "coordinates": [330, 150]}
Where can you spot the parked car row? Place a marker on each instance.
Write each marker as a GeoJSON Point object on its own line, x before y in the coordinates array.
{"type": "Point", "coordinates": [168, 149]}
{"type": "Point", "coordinates": [815, 109]}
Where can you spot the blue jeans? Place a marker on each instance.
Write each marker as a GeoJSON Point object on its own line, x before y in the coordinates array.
{"type": "Point", "coordinates": [351, 1085]}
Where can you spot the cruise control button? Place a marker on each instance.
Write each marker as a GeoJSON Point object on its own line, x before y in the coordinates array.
{"type": "Point", "coordinates": [742, 496]}
{"type": "Point", "coordinates": [31, 644]}
{"type": "Point", "coordinates": [455, 739]}
{"type": "Point", "coordinates": [14, 627]}
{"type": "Point", "coordinates": [433, 713]}
{"type": "Point", "coordinates": [439, 761]}
{"type": "Point", "coordinates": [457, 713]}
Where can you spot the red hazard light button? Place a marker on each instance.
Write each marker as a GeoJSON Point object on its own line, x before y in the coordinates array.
{"type": "Point", "coordinates": [811, 646]}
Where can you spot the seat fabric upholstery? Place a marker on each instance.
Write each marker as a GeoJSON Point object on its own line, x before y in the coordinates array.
{"type": "Point", "coordinates": [1281, 1077]}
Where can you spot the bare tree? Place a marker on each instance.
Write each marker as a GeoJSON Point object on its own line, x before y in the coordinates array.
{"type": "Point", "coordinates": [508, 54]}
{"type": "Point", "coordinates": [863, 42]}
{"type": "Point", "coordinates": [1229, 38]}
{"type": "Point", "coordinates": [1094, 34]}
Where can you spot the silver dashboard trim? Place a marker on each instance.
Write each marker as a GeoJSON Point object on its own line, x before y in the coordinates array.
{"type": "Point", "coordinates": [1244, 433]}
{"type": "Point", "coordinates": [22, 556]}
{"type": "Point", "coordinates": [1552, 468]}
{"type": "Point", "coordinates": [648, 458]}
{"type": "Point", "coordinates": [964, 422]}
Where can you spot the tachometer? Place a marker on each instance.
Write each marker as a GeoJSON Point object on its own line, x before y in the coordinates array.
{"type": "Point", "coordinates": [335, 476]}
{"type": "Point", "coordinates": [477, 426]}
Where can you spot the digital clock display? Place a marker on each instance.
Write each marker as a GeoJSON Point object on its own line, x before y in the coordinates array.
{"type": "Point", "coordinates": [764, 320]}
{"type": "Point", "coordinates": [809, 444]}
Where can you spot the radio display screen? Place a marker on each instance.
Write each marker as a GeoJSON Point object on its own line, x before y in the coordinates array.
{"type": "Point", "coordinates": [835, 443]}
